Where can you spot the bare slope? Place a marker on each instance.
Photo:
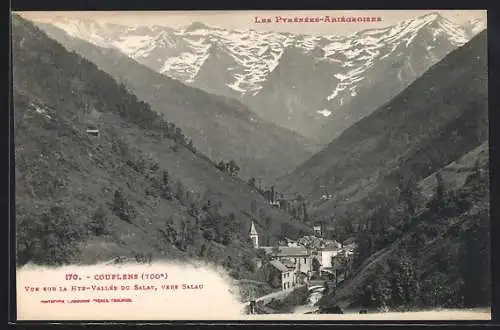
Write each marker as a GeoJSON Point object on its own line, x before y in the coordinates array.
{"type": "Point", "coordinates": [220, 127]}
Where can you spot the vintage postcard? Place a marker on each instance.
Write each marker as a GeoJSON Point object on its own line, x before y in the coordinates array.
{"type": "Point", "coordinates": [239, 165]}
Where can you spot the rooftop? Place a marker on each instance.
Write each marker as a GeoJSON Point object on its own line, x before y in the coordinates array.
{"type": "Point", "coordinates": [288, 251]}
{"type": "Point", "coordinates": [349, 241]}
{"type": "Point", "coordinates": [288, 263]}
{"type": "Point", "coordinates": [332, 246]}
{"type": "Point", "coordinates": [278, 265]}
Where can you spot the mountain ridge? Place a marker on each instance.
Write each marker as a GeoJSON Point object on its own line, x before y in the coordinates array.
{"type": "Point", "coordinates": [401, 135]}
{"type": "Point", "coordinates": [224, 122]}
{"type": "Point", "coordinates": [243, 65]}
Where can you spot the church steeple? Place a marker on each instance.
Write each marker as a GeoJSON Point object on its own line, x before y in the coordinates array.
{"type": "Point", "coordinates": [254, 236]}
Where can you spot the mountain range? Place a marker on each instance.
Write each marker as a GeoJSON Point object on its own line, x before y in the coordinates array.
{"type": "Point", "coordinates": [315, 85]}
{"type": "Point", "coordinates": [222, 128]}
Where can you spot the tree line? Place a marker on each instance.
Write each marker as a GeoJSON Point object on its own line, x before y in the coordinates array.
{"type": "Point", "coordinates": [229, 167]}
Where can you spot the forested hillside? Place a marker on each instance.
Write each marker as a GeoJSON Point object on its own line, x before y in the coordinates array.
{"type": "Point", "coordinates": [137, 189]}
{"type": "Point", "coordinates": [438, 256]}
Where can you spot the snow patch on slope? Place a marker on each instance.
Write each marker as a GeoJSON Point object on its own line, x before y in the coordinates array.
{"type": "Point", "coordinates": [324, 112]}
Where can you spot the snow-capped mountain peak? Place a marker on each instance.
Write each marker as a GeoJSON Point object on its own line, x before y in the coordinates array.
{"type": "Point", "coordinates": [195, 26]}
{"type": "Point", "coordinates": [181, 53]}
{"type": "Point", "coordinates": [294, 70]}
{"type": "Point", "coordinates": [474, 26]}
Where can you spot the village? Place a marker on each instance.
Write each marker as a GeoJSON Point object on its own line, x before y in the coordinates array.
{"type": "Point", "coordinates": [307, 259]}
{"type": "Point", "coordinates": [312, 262]}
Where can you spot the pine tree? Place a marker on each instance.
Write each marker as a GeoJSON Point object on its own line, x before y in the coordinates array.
{"type": "Point", "coordinates": [221, 166]}
{"type": "Point", "coordinates": [410, 194]}
{"type": "Point", "coordinates": [262, 214]}
{"type": "Point", "coordinates": [305, 215]}
{"type": "Point", "coordinates": [381, 297]}
{"type": "Point", "coordinates": [181, 242]}
{"type": "Point", "coordinates": [476, 267]}
{"type": "Point", "coordinates": [253, 206]}
{"type": "Point", "coordinates": [438, 201]}
{"type": "Point", "coordinates": [405, 284]}
{"type": "Point", "coordinates": [232, 168]}
{"type": "Point", "coordinates": [118, 205]}
{"type": "Point", "coordinates": [166, 189]}
{"type": "Point", "coordinates": [268, 222]}
{"type": "Point", "coordinates": [98, 224]}
{"type": "Point", "coordinates": [439, 187]}
{"type": "Point", "coordinates": [364, 249]}
{"type": "Point", "coordinates": [190, 145]}
{"type": "Point", "coordinates": [316, 264]}
{"type": "Point", "coordinates": [203, 251]}
{"type": "Point", "coordinates": [180, 193]}
{"type": "Point", "coordinates": [477, 167]}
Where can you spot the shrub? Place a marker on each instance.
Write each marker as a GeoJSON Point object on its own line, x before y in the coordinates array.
{"type": "Point", "coordinates": [98, 224]}
{"type": "Point", "coordinates": [122, 208]}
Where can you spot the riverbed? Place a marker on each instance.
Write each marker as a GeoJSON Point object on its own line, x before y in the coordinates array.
{"type": "Point", "coordinates": [312, 299]}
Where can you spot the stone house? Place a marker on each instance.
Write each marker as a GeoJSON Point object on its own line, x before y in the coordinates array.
{"type": "Point", "coordinates": [298, 256]}
{"type": "Point", "coordinates": [284, 273]}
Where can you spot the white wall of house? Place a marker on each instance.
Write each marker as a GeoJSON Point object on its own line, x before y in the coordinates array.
{"type": "Point", "coordinates": [303, 264]}
{"type": "Point", "coordinates": [326, 257]}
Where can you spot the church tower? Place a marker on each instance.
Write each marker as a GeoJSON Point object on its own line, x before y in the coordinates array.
{"type": "Point", "coordinates": [254, 236]}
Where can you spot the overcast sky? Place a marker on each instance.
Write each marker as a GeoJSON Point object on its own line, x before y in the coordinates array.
{"type": "Point", "coordinates": [246, 19]}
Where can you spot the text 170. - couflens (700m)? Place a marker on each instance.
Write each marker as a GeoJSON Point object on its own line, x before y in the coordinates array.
{"type": "Point", "coordinates": [119, 277]}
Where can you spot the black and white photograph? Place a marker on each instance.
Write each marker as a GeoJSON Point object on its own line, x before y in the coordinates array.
{"type": "Point", "coordinates": [251, 164]}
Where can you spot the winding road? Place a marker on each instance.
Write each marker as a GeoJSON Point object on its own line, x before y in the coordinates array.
{"type": "Point", "coordinates": [316, 292]}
